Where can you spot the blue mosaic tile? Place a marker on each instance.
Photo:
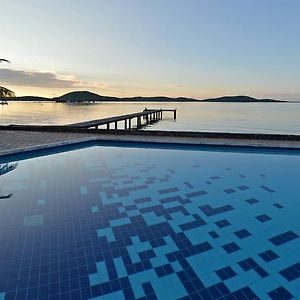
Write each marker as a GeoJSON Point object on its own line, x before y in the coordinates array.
{"type": "Point", "coordinates": [213, 234]}
{"type": "Point", "coordinates": [231, 247]}
{"type": "Point", "coordinates": [267, 189]}
{"type": "Point", "coordinates": [34, 220]}
{"type": "Point", "coordinates": [292, 272]}
{"type": "Point", "coordinates": [268, 255]}
{"type": "Point", "coordinates": [114, 224]}
{"type": "Point", "coordinates": [252, 201]}
{"type": "Point", "coordinates": [229, 191]}
{"type": "Point", "coordinates": [280, 294]}
{"type": "Point", "coordinates": [209, 211]}
{"type": "Point", "coordinates": [226, 273]}
{"type": "Point", "coordinates": [278, 205]}
{"type": "Point", "coordinates": [222, 223]}
{"type": "Point", "coordinates": [243, 233]}
{"type": "Point", "coordinates": [243, 187]}
{"type": "Point", "coordinates": [263, 218]}
{"type": "Point", "coordinates": [283, 238]}
{"type": "Point", "coordinates": [196, 194]}
{"type": "Point", "coordinates": [251, 264]}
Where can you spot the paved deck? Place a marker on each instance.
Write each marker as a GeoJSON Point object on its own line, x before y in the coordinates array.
{"type": "Point", "coordinates": [16, 141]}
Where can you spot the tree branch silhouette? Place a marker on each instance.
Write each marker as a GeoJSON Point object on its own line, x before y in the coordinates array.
{"type": "Point", "coordinates": [4, 92]}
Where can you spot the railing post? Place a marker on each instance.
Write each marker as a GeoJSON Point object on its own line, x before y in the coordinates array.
{"type": "Point", "coordinates": [129, 123]}
{"type": "Point", "coordinates": [125, 126]}
{"type": "Point", "coordinates": [175, 110]}
{"type": "Point", "coordinates": [116, 125]}
{"type": "Point", "coordinates": [138, 123]}
{"type": "Point", "coordinates": [107, 126]}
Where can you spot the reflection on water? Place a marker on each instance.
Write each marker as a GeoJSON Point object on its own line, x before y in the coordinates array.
{"type": "Point", "coordinates": [4, 169]}
{"type": "Point", "coordinates": [7, 167]}
{"type": "Point", "coordinates": [230, 117]}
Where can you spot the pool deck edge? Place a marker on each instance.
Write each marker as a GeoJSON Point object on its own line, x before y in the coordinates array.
{"type": "Point", "coordinates": [33, 140]}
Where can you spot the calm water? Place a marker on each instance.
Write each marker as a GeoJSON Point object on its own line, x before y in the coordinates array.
{"type": "Point", "coordinates": [230, 117]}
{"type": "Point", "coordinates": [117, 222]}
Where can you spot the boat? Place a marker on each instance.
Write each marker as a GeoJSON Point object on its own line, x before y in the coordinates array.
{"type": "Point", "coordinates": [4, 102]}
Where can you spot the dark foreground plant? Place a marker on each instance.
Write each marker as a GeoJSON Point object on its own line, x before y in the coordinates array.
{"type": "Point", "coordinates": [4, 92]}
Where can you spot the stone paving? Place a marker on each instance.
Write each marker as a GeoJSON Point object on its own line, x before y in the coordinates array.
{"type": "Point", "coordinates": [15, 141]}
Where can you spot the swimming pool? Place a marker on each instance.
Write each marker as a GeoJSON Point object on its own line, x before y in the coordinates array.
{"type": "Point", "coordinates": [108, 222]}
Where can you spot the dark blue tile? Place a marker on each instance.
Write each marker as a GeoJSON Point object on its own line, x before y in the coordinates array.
{"type": "Point", "coordinates": [283, 238]}
{"type": "Point", "coordinates": [222, 223]}
{"type": "Point", "coordinates": [278, 205]}
{"type": "Point", "coordinates": [213, 234]}
{"type": "Point", "coordinates": [209, 211]}
{"type": "Point", "coordinates": [263, 218]}
{"type": "Point", "coordinates": [268, 255]}
{"type": "Point", "coordinates": [226, 273]}
{"type": "Point", "coordinates": [231, 247]}
{"type": "Point", "coordinates": [280, 294]}
{"type": "Point", "coordinates": [292, 272]}
{"type": "Point", "coordinates": [241, 234]}
{"type": "Point", "coordinates": [252, 201]}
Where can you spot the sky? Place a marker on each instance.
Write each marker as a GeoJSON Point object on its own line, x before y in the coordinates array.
{"type": "Point", "coordinates": [192, 48]}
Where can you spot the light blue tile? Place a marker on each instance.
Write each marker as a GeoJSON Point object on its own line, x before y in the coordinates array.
{"type": "Point", "coordinates": [108, 233]}
{"type": "Point", "coordinates": [34, 220]}
{"type": "Point", "coordinates": [132, 213]}
{"type": "Point", "coordinates": [121, 209]}
{"type": "Point", "coordinates": [139, 245]}
{"type": "Point", "coordinates": [151, 218]}
{"type": "Point", "coordinates": [102, 271]}
{"type": "Point", "coordinates": [176, 266]}
{"type": "Point", "coordinates": [41, 202]}
{"type": "Point", "coordinates": [43, 184]}
{"type": "Point", "coordinates": [136, 281]}
{"type": "Point", "coordinates": [83, 190]}
{"type": "Point", "coordinates": [112, 296]}
{"type": "Point", "coordinates": [94, 209]}
{"type": "Point", "coordinates": [94, 279]}
{"type": "Point", "coordinates": [121, 270]}
{"type": "Point", "coordinates": [2, 296]}
{"type": "Point", "coordinates": [119, 222]}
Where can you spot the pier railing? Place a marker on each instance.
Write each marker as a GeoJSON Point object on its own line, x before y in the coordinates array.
{"type": "Point", "coordinates": [148, 115]}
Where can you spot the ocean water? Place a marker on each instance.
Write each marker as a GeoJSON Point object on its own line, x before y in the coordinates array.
{"type": "Point", "coordinates": [143, 223]}
{"type": "Point", "coordinates": [224, 117]}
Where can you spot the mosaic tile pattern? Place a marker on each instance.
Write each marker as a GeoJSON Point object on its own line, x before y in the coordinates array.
{"type": "Point", "coordinates": [125, 223]}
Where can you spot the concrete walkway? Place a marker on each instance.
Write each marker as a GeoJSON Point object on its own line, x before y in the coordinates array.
{"type": "Point", "coordinates": [16, 141]}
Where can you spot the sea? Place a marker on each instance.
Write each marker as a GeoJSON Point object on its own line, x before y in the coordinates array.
{"type": "Point", "coordinates": [280, 118]}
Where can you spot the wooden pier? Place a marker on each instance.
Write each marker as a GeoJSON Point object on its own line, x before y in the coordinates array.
{"type": "Point", "coordinates": [149, 116]}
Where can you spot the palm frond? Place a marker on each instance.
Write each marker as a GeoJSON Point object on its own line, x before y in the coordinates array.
{"type": "Point", "coordinates": [6, 93]}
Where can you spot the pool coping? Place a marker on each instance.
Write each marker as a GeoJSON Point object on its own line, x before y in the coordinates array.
{"type": "Point", "coordinates": [215, 139]}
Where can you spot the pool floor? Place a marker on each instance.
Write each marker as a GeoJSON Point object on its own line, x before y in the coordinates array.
{"type": "Point", "coordinates": [130, 223]}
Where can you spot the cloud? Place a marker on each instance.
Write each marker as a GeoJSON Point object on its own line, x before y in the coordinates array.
{"type": "Point", "coordinates": [38, 79]}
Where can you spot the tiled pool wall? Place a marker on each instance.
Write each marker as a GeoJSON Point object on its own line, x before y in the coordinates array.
{"type": "Point", "coordinates": [114, 223]}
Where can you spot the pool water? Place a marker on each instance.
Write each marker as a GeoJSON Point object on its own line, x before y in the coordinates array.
{"type": "Point", "coordinates": [145, 223]}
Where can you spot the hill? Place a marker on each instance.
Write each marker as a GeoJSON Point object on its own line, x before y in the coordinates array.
{"type": "Point", "coordinates": [239, 99]}
{"type": "Point", "coordinates": [82, 96]}
{"type": "Point", "coordinates": [86, 96]}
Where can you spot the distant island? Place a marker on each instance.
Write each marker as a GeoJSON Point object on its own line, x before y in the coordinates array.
{"type": "Point", "coordinates": [85, 96]}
